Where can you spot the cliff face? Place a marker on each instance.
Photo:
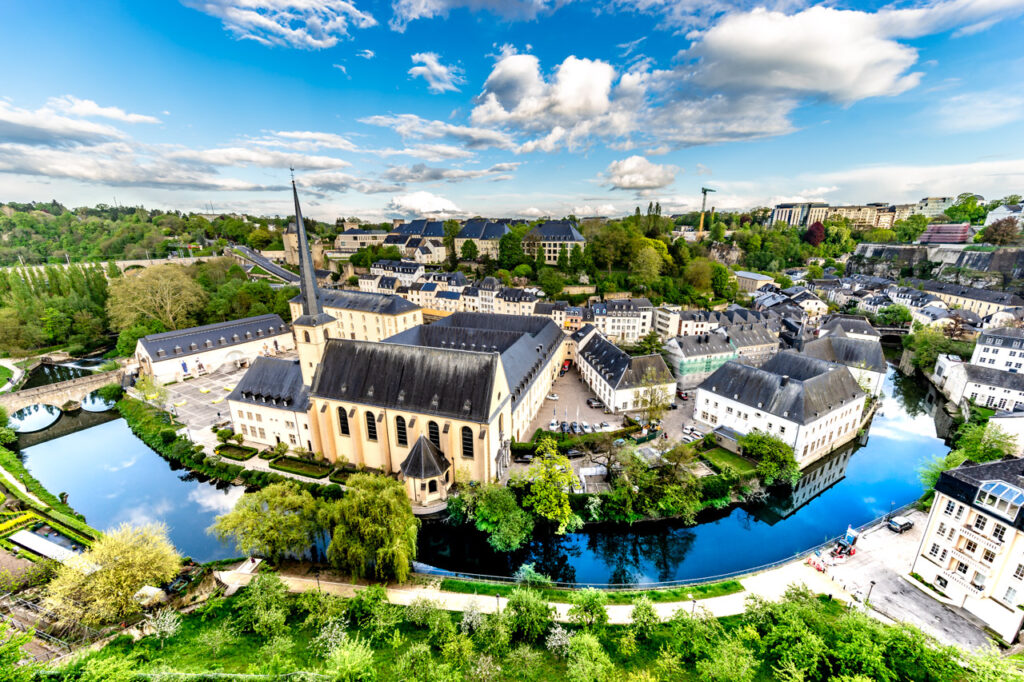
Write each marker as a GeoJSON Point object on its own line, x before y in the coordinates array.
{"type": "Point", "coordinates": [938, 262]}
{"type": "Point", "coordinates": [726, 254]}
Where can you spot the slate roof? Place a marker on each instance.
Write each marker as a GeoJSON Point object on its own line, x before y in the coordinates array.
{"type": "Point", "coordinates": [792, 386]}
{"type": "Point", "coordinates": [753, 275]}
{"type": "Point", "coordinates": [746, 335]}
{"type": "Point", "coordinates": [424, 460]}
{"type": "Point", "coordinates": [963, 483]}
{"type": "Point", "coordinates": [855, 324]}
{"type": "Point", "coordinates": [582, 332]}
{"type": "Point", "coordinates": [616, 367]}
{"type": "Point", "coordinates": [556, 231]}
{"type": "Point", "coordinates": [403, 266]}
{"type": "Point", "coordinates": [274, 269]}
{"type": "Point", "coordinates": [483, 230]}
{"type": "Point", "coordinates": [845, 350]}
{"type": "Point", "coordinates": [987, 295]}
{"type": "Point", "coordinates": [396, 240]}
{"type": "Point", "coordinates": [441, 381]}
{"type": "Point", "coordinates": [700, 345]}
{"type": "Point", "coordinates": [514, 295]}
{"type": "Point", "coordinates": [365, 301]}
{"type": "Point", "coordinates": [992, 337]}
{"type": "Point", "coordinates": [452, 295]}
{"type": "Point", "coordinates": [178, 344]}
{"type": "Point", "coordinates": [990, 376]}
{"type": "Point", "coordinates": [273, 379]}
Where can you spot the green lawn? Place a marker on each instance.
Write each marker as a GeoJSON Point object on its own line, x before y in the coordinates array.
{"type": "Point", "coordinates": [238, 453]}
{"type": "Point", "coordinates": [5, 374]}
{"type": "Point", "coordinates": [300, 466]}
{"type": "Point", "coordinates": [721, 456]}
{"type": "Point", "coordinates": [614, 597]}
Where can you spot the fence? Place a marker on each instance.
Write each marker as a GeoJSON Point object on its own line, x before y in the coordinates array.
{"type": "Point", "coordinates": [425, 569]}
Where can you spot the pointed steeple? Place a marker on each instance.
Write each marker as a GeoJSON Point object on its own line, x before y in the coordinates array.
{"type": "Point", "coordinates": [312, 312]}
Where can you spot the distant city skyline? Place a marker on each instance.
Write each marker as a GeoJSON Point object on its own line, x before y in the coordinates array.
{"type": "Point", "coordinates": [517, 108]}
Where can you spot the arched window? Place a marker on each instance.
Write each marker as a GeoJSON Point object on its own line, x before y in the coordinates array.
{"type": "Point", "coordinates": [326, 337]}
{"type": "Point", "coordinates": [432, 487]}
{"type": "Point", "coordinates": [467, 442]}
{"type": "Point", "coordinates": [403, 438]}
{"type": "Point", "coordinates": [343, 421]}
{"type": "Point", "coordinates": [371, 426]}
{"type": "Point", "coordinates": [305, 335]}
{"type": "Point", "coordinates": [434, 435]}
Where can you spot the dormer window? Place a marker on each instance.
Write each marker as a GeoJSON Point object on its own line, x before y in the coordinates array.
{"type": "Point", "coordinates": [248, 335]}
{"type": "Point", "coordinates": [222, 340]}
{"type": "Point", "coordinates": [235, 338]}
{"type": "Point", "coordinates": [193, 346]}
{"type": "Point", "coordinates": [208, 343]}
{"type": "Point", "coordinates": [161, 353]}
{"type": "Point", "coordinates": [177, 350]}
{"type": "Point", "coordinates": [1002, 498]}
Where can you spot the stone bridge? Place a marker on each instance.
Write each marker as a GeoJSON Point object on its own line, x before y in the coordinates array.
{"type": "Point", "coordinates": [893, 331]}
{"type": "Point", "coordinates": [57, 394]}
{"type": "Point", "coordinates": [121, 264]}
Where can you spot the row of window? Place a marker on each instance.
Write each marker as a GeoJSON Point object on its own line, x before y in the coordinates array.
{"type": "Point", "coordinates": [402, 433]}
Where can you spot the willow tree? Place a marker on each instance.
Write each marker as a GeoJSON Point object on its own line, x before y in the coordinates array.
{"type": "Point", "coordinates": [162, 293]}
{"type": "Point", "coordinates": [274, 522]}
{"type": "Point", "coordinates": [373, 530]}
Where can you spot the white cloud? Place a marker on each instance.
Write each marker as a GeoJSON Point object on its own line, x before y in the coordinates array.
{"type": "Point", "coordinates": [422, 204]}
{"type": "Point", "coordinates": [366, 54]}
{"type": "Point", "coordinates": [46, 127]}
{"type": "Point", "coordinates": [307, 24]}
{"type": "Point", "coordinates": [627, 48]}
{"type": "Point", "coordinates": [209, 498]}
{"type": "Point", "coordinates": [413, 126]}
{"type": "Point", "coordinates": [341, 67]}
{"type": "Point", "coordinates": [979, 111]}
{"type": "Point", "coordinates": [600, 209]}
{"type": "Point", "coordinates": [439, 77]}
{"type": "Point", "coordinates": [264, 158]}
{"type": "Point", "coordinates": [306, 140]}
{"type": "Point", "coordinates": [534, 212]}
{"type": "Point", "coordinates": [427, 152]}
{"type": "Point", "coordinates": [406, 11]}
{"type": "Point", "coordinates": [86, 108]}
{"type": "Point", "coordinates": [637, 173]}
{"type": "Point", "coordinates": [343, 182]}
{"type": "Point", "coordinates": [423, 173]}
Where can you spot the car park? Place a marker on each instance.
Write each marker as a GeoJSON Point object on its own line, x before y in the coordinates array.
{"type": "Point", "coordinates": [900, 524]}
{"type": "Point", "coordinates": [586, 427]}
{"type": "Point", "coordinates": [565, 427]}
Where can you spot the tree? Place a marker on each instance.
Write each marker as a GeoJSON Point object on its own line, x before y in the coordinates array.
{"type": "Point", "coordinates": [698, 274]}
{"type": "Point", "coordinates": [654, 394]}
{"type": "Point", "coordinates": [720, 280]}
{"type": "Point", "coordinates": [129, 337]}
{"type": "Point", "coordinates": [551, 281]}
{"type": "Point", "coordinates": [730, 661]}
{"type": "Point", "coordinates": [717, 233]}
{"type": "Point", "coordinates": [577, 259]}
{"type": "Point", "coordinates": [587, 608]}
{"type": "Point", "coordinates": [815, 234]}
{"type": "Point", "coordinates": [815, 271]}
{"type": "Point", "coordinates": [563, 259]}
{"type": "Point", "coordinates": [646, 266]}
{"type": "Point", "coordinates": [930, 471]}
{"type": "Point", "coordinates": [98, 586]}
{"type": "Point", "coordinates": [967, 209]}
{"type": "Point", "coordinates": [1001, 232]}
{"type": "Point", "coordinates": [775, 460]}
{"type": "Point", "coordinates": [224, 435]}
{"type": "Point", "coordinates": [588, 661]}
{"type": "Point", "coordinates": [895, 315]}
{"type": "Point", "coordinates": [497, 513]}
{"type": "Point", "coordinates": [13, 667]}
{"type": "Point", "coordinates": [644, 618]}
{"type": "Point", "coordinates": [523, 270]}
{"type": "Point", "coordinates": [650, 344]}
{"type": "Point", "coordinates": [164, 293]}
{"type": "Point", "coordinates": [373, 530]}
{"type": "Point", "coordinates": [262, 607]}
{"type": "Point", "coordinates": [550, 479]}
{"type": "Point", "coordinates": [470, 250]}
{"type": "Point", "coordinates": [510, 251]}
{"type": "Point", "coordinates": [451, 230]}
{"type": "Point", "coordinates": [910, 229]}
{"type": "Point", "coordinates": [984, 442]}
{"type": "Point", "coordinates": [260, 239]}
{"type": "Point", "coordinates": [528, 614]}
{"type": "Point", "coordinates": [165, 623]}
{"type": "Point", "coordinates": [274, 522]}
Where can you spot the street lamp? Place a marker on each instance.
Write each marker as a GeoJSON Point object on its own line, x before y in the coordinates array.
{"type": "Point", "coordinates": [316, 574]}
{"type": "Point", "coordinates": [892, 506]}
{"type": "Point", "coordinates": [693, 608]}
{"type": "Point", "coordinates": [867, 599]}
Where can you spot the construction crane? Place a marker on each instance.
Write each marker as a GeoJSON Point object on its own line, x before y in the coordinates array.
{"type": "Point", "coordinates": [703, 205]}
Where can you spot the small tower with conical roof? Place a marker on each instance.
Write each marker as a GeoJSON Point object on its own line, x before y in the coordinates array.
{"type": "Point", "coordinates": [311, 327]}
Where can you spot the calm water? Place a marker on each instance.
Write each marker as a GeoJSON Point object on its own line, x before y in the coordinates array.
{"type": "Point", "coordinates": [38, 417]}
{"type": "Point", "coordinates": [43, 375]}
{"type": "Point", "coordinates": [112, 477]}
{"type": "Point", "coordinates": [850, 488]}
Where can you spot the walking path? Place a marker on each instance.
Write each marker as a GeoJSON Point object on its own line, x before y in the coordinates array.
{"type": "Point", "coordinates": [10, 480]}
{"type": "Point", "coordinates": [15, 378]}
{"type": "Point", "coordinates": [770, 585]}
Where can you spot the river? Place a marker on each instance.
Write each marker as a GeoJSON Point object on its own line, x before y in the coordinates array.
{"type": "Point", "coordinates": [113, 477]}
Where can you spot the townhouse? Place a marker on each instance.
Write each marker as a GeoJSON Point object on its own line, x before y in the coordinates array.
{"type": "Point", "coordinates": [621, 381]}
{"type": "Point", "coordinates": [550, 237]}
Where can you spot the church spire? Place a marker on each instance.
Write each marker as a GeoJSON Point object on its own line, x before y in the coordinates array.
{"type": "Point", "coordinates": [310, 296]}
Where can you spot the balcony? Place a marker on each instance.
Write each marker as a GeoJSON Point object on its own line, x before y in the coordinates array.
{"type": "Point", "coordinates": [962, 580]}
{"type": "Point", "coordinates": [970, 533]}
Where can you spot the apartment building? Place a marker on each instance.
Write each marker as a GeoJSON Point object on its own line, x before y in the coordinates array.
{"type": "Point", "coordinates": [550, 237]}
{"type": "Point", "coordinates": [864, 358]}
{"type": "Point", "coordinates": [406, 271]}
{"type": "Point", "coordinates": [982, 385]}
{"type": "Point", "coordinates": [694, 358]}
{"type": "Point", "coordinates": [754, 342]}
{"type": "Point", "coordinates": [485, 234]}
{"type": "Point", "coordinates": [1001, 349]}
{"type": "Point", "coordinates": [799, 214]}
{"type": "Point", "coordinates": [813, 405]}
{"type": "Point", "coordinates": [621, 381]}
{"type": "Point", "coordinates": [625, 320]}
{"type": "Point", "coordinates": [351, 241]}
{"type": "Point", "coordinates": [972, 548]}
{"type": "Point", "coordinates": [980, 301]}
{"type": "Point", "coordinates": [752, 281]}
{"type": "Point", "coordinates": [933, 207]}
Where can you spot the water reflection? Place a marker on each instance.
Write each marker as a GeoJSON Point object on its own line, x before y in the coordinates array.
{"type": "Point", "coordinates": [34, 418]}
{"type": "Point", "coordinates": [94, 403]}
{"type": "Point", "coordinates": [44, 375]}
{"type": "Point", "coordinates": [851, 486]}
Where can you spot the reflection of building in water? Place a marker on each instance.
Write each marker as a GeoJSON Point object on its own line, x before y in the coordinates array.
{"type": "Point", "coordinates": [814, 480]}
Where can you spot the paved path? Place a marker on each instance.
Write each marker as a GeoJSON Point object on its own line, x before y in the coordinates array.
{"type": "Point", "coordinates": [770, 585]}
{"type": "Point", "coordinates": [15, 378]}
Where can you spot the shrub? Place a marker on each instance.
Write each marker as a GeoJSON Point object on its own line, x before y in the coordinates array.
{"type": "Point", "coordinates": [557, 641]}
{"type": "Point", "coordinates": [644, 617]}
{"type": "Point", "coordinates": [494, 634]}
{"type": "Point", "coordinates": [524, 663]}
{"type": "Point", "coordinates": [262, 607]}
{"type": "Point", "coordinates": [588, 661]}
{"type": "Point", "coordinates": [352, 661]}
{"type": "Point", "coordinates": [440, 627]}
{"type": "Point", "coordinates": [529, 616]}
{"type": "Point", "coordinates": [587, 608]}
{"type": "Point", "coordinates": [529, 576]}
{"type": "Point", "coordinates": [730, 661]}
{"type": "Point", "coordinates": [695, 636]}
{"type": "Point", "coordinates": [167, 436]}
{"type": "Point", "coordinates": [420, 610]}
{"type": "Point", "coordinates": [362, 606]}
{"type": "Point", "coordinates": [472, 618]}
{"type": "Point", "coordinates": [458, 650]}
{"type": "Point", "coordinates": [320, 608]}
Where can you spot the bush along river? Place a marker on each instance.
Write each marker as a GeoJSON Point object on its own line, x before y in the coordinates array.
{"type": "Point", "coordinates": [850, 487]}
{"type": "Point", "coordinates": [111, 477]}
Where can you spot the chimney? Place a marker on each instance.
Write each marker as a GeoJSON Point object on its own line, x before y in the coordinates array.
{"type": "Point", "coordinates": [784, 381]}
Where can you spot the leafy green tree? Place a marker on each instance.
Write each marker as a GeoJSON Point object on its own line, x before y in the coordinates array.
{"type": "Point", "coordinates": [260, 239]}
{"type": "Point", "coordinates": [646, 265]}
{"type": "Point", "coordinates": [128, 338]}
{"type": "Point", "coordinates": [775, 460]}
{"type": "Point", "coordinates": [262, 607]}
{"type": "Point", "coordinates": [967, 209]}
{"type": "Point", "coordinates": [510, 251]}
{"type": "Point", "coordinates": [644, 618]}
{"type": "Point", "coordinates": [497, 513]}
{"type": "Point", "coordinates": [650, 344]}
{"type": "Point", "coordinates": [352, 660]}
{"type": "Point", "coordinates": [523, 270]}
{"type": "Point", "coordinates": [527, 614]}
{"type": "Point", "coordinates": [730, 661]}
{"type": "Point", "coordinates": [470, 251]}
{"type": "Point", "coordinates": [895, 315]}
{"type": "Point", "coordinates": [587, 608]}
{"type": "Point", "coordinates": [720, 280]}
{"type": "Point", "coordinates": [98, 586]}
{"type": "Point", "coordinates": [930, 471]}
{"type": "Point", "coordinates": [909, 229]}
{"type": "Point", "coordinates": [563, 259]}
{"type": "Point", "coordinates": [588, 661]}
{"type": "Point", "coordinates": [698, 274]}
{"type": "Point", "coordinates": [162, 293]}
{"type": "Point", "coordinates": [373, 530]}
{"type": "Point", "coordinates": [451, 231]}
{"type": "Point", "coordinates": [550, 478]}
{"type": "Point", "coordinates": [551, 281]}
{"type": "Point", "coordinates": [13, 664]}
{"type": "Point", "coordinates": [274, 522]}
{"type": "Point", "coordinates": [984, 442]}
{"type": "Point", "coordinates": [815, 272]}
{"type": "Point", "coordinates": [577, 259]}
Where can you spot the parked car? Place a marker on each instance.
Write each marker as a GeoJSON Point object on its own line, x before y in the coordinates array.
{"type": "Point", "coordinates": [524, 458]}
{"type": "Point", "coordinates": [586, 427]}
{"type": "Point", "coordinates": [575, 427]}
{"type": "Point", "coordinates": [595, 403]}
{"type": "Point", "coordinates": [552, 396]}
{"type": "Point", "coordinates": [619, 442]}
{"type": "Point", "coordinates": [900, 524]}
{"type": "Point", "coordinates": [683, 395]}
{"type": "Point", "coordinates": [605, 426]}
{"type": "Point", "coordinates": [673, 406]}
{"type": "Point", "coordinates": [553, 426]}
{"type": "Point", "coordinates": [574, 453]}
{"type": "Point", "coordinates": [565, 427]}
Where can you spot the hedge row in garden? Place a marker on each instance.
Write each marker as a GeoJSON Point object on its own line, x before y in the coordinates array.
{"type": "Point", "coordinates": [303, 467]}
{"type": "Point", "coordinates": [239, 453]}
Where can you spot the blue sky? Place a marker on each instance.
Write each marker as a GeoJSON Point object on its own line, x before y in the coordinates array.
{"type": "Point", "coordinates": [507, 107]}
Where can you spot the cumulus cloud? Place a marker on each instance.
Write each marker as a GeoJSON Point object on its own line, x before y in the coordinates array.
{"type": "Point", "coordinates": [406, 11]}
{"type": "Point", "coordinates": [86, 108]}
{"type": "Point", "coordinates": [439, 77]}
{"type": "Point", "coordinates": [423, 173]}
{"type": "Point", "coordinates": [598, 210]}
{"type": "Point", "coordinates": [47, 127]}
{"type": "Point", "coordinates": [422, 204]}
{"type": "Point", "coordinates": [416, 127]}
{"type": "Point", "coordinates": [979, 111]}
{"type": "Point", "coordinates": [306, 24]}
{"type": "Point", "coordinates": [637, 173]}
{"type": "Point", "coordinates": [264, 158]}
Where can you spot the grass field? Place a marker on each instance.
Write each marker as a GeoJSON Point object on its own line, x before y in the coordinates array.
{"type": "Point", "coordinates": [614, 597]}
{"type": "Point", "coordinates": [720, 457]}
{"type": "Point", "coordinates": [5, 374]}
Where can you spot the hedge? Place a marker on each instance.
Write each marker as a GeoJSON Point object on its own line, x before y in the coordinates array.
{"type": "Point", "coordinates": [303, 467]}
{"type": "Point", "coordinates": [147, 421]}
{"type": "Point", "coordinates": [565, 442]}
{"type": "Point", "coordinates": [239, 453]}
